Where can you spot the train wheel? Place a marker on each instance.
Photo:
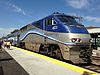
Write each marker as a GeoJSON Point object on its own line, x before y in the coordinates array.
{"type": "Point", "coordinates": [43, 49]}
{"type": "Point", "coordinates": [55, 52]}
{"type": "Point", "coordinates": [51, 50]}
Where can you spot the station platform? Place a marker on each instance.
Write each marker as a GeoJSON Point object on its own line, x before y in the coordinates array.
{"type": "Point", "coordinates": [8, 66]}
{"type": "Point", "coordinates": [36, 64]}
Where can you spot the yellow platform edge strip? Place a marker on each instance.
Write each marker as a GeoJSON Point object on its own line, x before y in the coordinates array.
{"type": "Point", "coordinates": [63, 64]}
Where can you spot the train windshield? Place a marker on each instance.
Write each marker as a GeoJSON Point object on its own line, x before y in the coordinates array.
{"type": "Point", "coordinates": [67, 19]}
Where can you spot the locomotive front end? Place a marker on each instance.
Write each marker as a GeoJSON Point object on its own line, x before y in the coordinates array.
{"type": "Point", "coordinates": [80, 49]}
{"type": "Point", "coordinates": [77, 46]}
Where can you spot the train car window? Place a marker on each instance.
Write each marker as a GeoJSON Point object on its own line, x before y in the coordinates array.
{"type": "Point", "coordinates": [63, 19]}
{"type": "Point", "coordinates": [38, 24]}
{"type": "Point", "coordinates": [50, 21]}
{"type": "Point", "coordinates": [71, 19]}
{"type": "Point", "coordinates": [67, 19]}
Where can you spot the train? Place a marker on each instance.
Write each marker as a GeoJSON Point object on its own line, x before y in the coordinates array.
{"type": "Point", "coordinates": [57, 35]}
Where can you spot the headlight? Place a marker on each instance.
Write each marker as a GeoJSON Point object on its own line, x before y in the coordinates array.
{"type": "Point", "coordinates": [91, 40]}
{"type": "Point", "coordinates": [76, 40]}
{"type": "Point", "coordinates": [73, 40]}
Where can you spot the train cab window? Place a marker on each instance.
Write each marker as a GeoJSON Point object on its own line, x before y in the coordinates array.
{"type": "Point", "coordinates": [50, 21]}
{"type": "Point", "coordinates": [67, 19]}
{"type": "Point", "coordinates": [63, 19]}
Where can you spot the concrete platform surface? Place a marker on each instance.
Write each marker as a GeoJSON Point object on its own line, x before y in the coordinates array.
{"type": "Point", "coordinates": [36, 64]}
{"type": "Point", "coordinates": [8, 66]}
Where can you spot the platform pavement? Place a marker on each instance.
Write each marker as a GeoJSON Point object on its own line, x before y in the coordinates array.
{"type": "Point", "coordinates": [8, 66]}
{"type": "Point", "coordinates": [36, 64]}
{"type": "Point", "coordinates": [96, 57]}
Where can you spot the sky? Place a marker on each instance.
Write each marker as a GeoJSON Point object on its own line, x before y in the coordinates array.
{"type": "Point", "coordinates": [15, 14]}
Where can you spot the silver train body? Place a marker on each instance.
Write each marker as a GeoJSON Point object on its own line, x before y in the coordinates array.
{"type": "Point", "coordinates": [71, 46]}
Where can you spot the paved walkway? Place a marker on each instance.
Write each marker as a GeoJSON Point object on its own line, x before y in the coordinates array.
{"type": "Point", "coordinates": [36, 64]}
{"type": "Point", "coordinates": [8, 66]}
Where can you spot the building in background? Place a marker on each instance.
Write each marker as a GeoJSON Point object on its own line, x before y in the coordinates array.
{"type": "Point", "coordinates": [95, 34]}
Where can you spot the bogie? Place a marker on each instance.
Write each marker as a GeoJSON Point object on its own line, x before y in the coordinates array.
{"type": "Point", "coordinates": [52, 50]}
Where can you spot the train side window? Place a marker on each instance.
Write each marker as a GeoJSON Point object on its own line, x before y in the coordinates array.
{"type": "Point", "coordinates": [50, 21]}
{"type": "Point", "coordinates": [38, 24]}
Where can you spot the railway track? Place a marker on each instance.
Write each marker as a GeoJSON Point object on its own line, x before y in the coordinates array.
{"type": "Point", "coordinates": [92, 67]}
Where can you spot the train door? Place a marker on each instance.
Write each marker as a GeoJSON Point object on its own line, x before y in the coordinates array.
{"type": "Point", "coordinates": [50, 28]}
{"type": "Point", "coordinates": [50, 24]}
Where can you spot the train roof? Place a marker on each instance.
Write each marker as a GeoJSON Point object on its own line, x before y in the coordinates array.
{"type": "Point", "coordinates": [63, 14]}
{"type": "Point", "coordinates": [52, 15]}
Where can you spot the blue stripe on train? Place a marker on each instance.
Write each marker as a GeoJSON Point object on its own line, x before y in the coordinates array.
{"type": "Point", "coordinates": [51, 38]}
